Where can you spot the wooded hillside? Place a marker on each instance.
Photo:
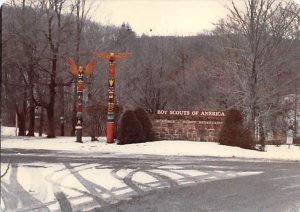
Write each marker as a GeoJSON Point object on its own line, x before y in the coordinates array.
{"type": "Point", "coordinates": [250, 61]}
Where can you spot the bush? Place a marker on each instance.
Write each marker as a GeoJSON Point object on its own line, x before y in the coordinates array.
{"type": "Point", "coordinates": [130, 130]}
{"type": "Point", "coordinates": [144, 119]}
{"type": "Point", "coordinates": [233, 132]}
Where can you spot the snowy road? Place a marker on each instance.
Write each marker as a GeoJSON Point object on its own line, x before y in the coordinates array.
{"type": "Point", "coordinates": [41, 180]}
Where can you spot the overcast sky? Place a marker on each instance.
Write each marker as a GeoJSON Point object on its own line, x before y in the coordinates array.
{"type": "Point", "coordinates": [163, 17]}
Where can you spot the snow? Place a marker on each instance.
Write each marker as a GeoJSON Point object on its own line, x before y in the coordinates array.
{"type": "Point", "coordinates": [102, 175]}
{"type": "Point", "coordinates": [43, 180]}
{"type": "Point", "coordinates": [122, 173]}
{"type": "Point", "coordinates": [192, 173]}
{"type": "Point", "coordinates": [8, 131]}
{"type": "Point", "coordinates": [32, 179]}
{"type": "Point", "coordinates": [172, 148]}
{"type": "Point", "coordinates": [142, 177]}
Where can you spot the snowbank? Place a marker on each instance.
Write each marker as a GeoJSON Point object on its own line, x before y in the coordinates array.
{"type": "Point", "coordinates": [187, 148]}
{"type": "Point", "coordinates": [8, 131]}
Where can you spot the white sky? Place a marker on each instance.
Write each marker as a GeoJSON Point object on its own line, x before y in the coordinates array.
{"type": "Point", "coordinates": [164, 17]}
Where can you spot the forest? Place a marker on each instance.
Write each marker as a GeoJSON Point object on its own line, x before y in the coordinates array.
{"type": "Point", "coordinates": [250, 61]}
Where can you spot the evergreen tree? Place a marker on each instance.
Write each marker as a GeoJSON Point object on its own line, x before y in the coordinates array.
{"type": "Point", "coordinates": [131, 130]}
{"type": "Point", "coordinates": [233, 132]}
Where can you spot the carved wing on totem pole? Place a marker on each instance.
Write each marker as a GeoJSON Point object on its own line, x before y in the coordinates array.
{"type": "Point", "coordinates": [74, 69]}
{"type": "Point", "coordinates": [103, 55]}
{"type": "Point", "coordinates": [111, 56]}
{"type": "Point", "coordinates": [89, 67]}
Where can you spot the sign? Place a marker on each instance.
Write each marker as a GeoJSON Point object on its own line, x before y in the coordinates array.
{"type": "Point", "coordinates": [210, 122]}
{"type": "Point", "coordinates": [289, 138]}
{"type": "Point", "coordinates": [191, 113]}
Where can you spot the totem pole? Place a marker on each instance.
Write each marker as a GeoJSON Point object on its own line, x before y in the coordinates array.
{"type": "Point", "coordinates": [80, 72]}
{"type": "Point", "coordinates": [111, 57]}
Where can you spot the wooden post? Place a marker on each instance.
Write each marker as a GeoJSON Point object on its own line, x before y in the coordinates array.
{"type": "Point", "coordinates": [16, 124]}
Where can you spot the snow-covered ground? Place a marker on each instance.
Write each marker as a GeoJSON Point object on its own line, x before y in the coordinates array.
{"type": "Point", "coordinates": [43, 181]}
{"type": "Point", "coordinates": [187, 148]}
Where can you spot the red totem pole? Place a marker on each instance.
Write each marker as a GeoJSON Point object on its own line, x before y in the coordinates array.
{"type": "Point", "coordinates": [111, 57]}
{"type": "Point", "coordinates": [80, 72]}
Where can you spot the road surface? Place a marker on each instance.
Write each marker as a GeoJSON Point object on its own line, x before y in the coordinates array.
{"type": "Point", "coordinates": [42, 180]}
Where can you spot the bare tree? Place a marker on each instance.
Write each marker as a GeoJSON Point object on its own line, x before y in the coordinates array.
{"type": "Point", "coordinates": [81, 12]}
{"type": "Point", "coordinates": [23, 34]}
{"type": "Point", "coordinates": [252, 43]}
{"type": "Point", "coordinates": [147, 80]}
{"type": "Point", "coordinates": [56, 33]}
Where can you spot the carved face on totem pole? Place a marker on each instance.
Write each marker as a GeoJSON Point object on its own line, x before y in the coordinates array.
{"type": "Point", "coordinates": [80, 70]}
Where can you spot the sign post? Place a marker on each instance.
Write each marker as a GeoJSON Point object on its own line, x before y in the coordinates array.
{"type": "Point", "coordinates": [111, 57]}
{"type": "Point", "coordinates": [16, 130]}
{"type": "Point", "coordinates": [289, 137]}
{"type": "Point", "coordinates": [62, 126]}
{"type": "Point", "coordinates": [80, 72]}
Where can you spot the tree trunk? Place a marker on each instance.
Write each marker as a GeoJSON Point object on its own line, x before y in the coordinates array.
{"type": "Point", "coordinates": [41, 122]}
{"type": "Point", "coordinates": [51, 129]}
{"type": "Point", "coordinates": [21, 124]}
{"type": "Point", "coordinates": [251, 125]}
{"type": "Point", "coordinates": [22, 116]}
{"type": "Point", "coordinates": [50, 107]}
{"type": "Point", "coordinates": [262, 137]}
{"type": "Point", "coordinates": [295, 111]}
{"type": "Point", "coordinates": [31, 101]}
{"type": "Point", "coordinates": [62, 107]}
{"type": "Point", "coordinates": [31, 121]}
{"type": "Point", "coordinates": [253, 96]}
{"type": "Point", "coordinates": [74, 110]}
